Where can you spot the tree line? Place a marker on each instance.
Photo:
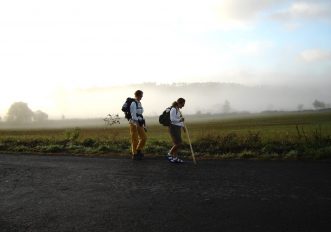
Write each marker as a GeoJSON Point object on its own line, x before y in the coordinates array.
{"type": "Point", "coordinates": [20, 113]}
{"type": "Point", "coordinates": [317, 105]}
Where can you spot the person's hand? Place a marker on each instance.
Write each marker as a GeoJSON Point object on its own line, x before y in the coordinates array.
{"type": "Point", "coordinates": [141, 122]}
{"type": "Point", "coordinates": [181, 120]}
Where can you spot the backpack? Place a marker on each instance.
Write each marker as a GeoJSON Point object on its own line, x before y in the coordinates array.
{"type": "Point", "coordinates": [164, 118]}
{"type": "Point", "coordinates": [126, 107]}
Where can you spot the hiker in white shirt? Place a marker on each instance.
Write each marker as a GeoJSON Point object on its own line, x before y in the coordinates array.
{"type": "Point", "coordinates": [177, 123]}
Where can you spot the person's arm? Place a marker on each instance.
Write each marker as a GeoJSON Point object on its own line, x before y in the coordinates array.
{"type": "Point", "coordinates": [133, 111]}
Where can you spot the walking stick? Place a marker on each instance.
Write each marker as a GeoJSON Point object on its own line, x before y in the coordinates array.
{"type": "Point", "coordinates": [189, 140]}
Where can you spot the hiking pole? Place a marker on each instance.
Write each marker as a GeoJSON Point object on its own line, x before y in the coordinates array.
{"type": "Point", "coordinates": [189, 140]}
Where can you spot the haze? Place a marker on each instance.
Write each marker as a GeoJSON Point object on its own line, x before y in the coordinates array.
{"type": "Point", "coordinates": [83, 58]}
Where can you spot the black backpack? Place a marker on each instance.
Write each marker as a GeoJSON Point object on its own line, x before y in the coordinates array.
{"type": "Point", "coordinates": [126, 107]}
{"type": "Point", "coordinates": [164, 118]}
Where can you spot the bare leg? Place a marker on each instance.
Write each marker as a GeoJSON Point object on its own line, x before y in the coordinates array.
{"type": "Point", "coordinates": [175, 148]}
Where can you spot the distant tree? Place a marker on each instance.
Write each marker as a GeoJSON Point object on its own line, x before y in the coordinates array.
{"type": "Point", "coordinates": [300, 107]}
{"type": "Point", "coordinates": [19, 112]}
{"type": "Point", "coordinates": [226, 107]}
{"type": "Point", "coordinates": [318, 104]}
{"type": "Point", "coordinates": [40, 116]}
{"type": "Point", "coordinates": [198, 112]}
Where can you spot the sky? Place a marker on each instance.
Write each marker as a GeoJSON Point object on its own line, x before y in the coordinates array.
{"type": "Point", "coordinates": [48, 48]}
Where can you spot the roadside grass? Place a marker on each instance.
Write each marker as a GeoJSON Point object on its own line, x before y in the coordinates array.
{"type": "Point", "coordinates": [294, 136]}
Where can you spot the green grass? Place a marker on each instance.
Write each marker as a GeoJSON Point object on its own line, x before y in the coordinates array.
{"type": "Point", "coordinates": [287, 136]}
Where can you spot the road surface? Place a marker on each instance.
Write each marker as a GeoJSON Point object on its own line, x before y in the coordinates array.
{"type": "Point", "coordinates": [66, 193]}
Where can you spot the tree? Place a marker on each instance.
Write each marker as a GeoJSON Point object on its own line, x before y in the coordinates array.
{"type": "Point", "coordinates": [40, 116]}
{"type": "Point", "coordinates": [300, 107]}
{"type": "Point", "coordinates": [318, 104]}
{"type": "Point", "coordinates": [198, 112]}
{"type": "Point", "coordinates": [19, 112]}
{"type": "Point", "coordinates": [226, 107]}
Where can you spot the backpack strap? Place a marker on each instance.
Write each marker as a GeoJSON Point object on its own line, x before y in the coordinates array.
{"type": "Point", "coordinates": [140, 115]}
{"type": "Point", "coordinates": [136, 102]}
{"type": "Point", "coordinates": [171, 108]}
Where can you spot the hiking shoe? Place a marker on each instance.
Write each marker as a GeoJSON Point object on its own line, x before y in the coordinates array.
{"type": "Point", "coordinates": [169, 158]}
{"type": "Point", "coordinates": [177, 160]}
{"type": "Point", "coordinates": [136, 157]}
{"type": "Point", "coordinates": [172, 159]}
{"type": "Point", "coordinates": [140, 155]}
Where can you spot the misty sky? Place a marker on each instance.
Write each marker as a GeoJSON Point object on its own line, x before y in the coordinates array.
{"type": "Point", "coordinates": [48, 48]}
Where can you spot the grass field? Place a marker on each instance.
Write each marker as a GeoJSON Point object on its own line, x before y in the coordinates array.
{"type": "Point", "coordinates": [291, 135]}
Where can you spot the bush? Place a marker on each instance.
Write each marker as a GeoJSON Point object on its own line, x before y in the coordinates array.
{"type": "Point", "coordinates": [103, 148]}
{"type": "Point", "coordinates": [50, 148]}
{"type": "Point", "coordinates": [72, 135]}
{"type": "Point", "coordinates": [208, 144]}
{"type": "Point", "coordinates": [252, 140]}
{"type": "Point", "coordinates": [76, 148]}
{"type": "Point", "coordinates": [157, 147]}
{"type": "Point", "coordinates": [89, 142]}
{"type": "Point", "coordinates": [247, 155]}
{"type": "Point", "coordinates": [269, 156]}
{"type": "Point", "coordinates": [230, 143]}
{"type": "Point", "coordinates": [317, 153]}
{"type": "Point", "coordinates": [227, 156]}
{"type": "Point", "coordinates": [3, 147]}
{"type": "Point", "coordinates": [291, 155]}
{"type": "Point", "coordinates": [19, 148]}
{"type": "Point", "coordinates": [277, 147]}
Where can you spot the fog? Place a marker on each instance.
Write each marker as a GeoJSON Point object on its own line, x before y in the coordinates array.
{"type": "Point", "coordinates": [201, 97]}
{"type": "Point", "coordinates": [89, 106]}
{"type": "Point", "coordinates": [71, 59]}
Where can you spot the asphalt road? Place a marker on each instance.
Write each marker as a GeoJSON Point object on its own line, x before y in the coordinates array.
{"type": "Point", "coordinates": [64, 193]}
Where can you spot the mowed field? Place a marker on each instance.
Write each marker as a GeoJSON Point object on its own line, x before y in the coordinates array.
{"type": "Point", "coordinates": [208, 134]}
{"type": "Point", "coordinates": [269, 126]}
